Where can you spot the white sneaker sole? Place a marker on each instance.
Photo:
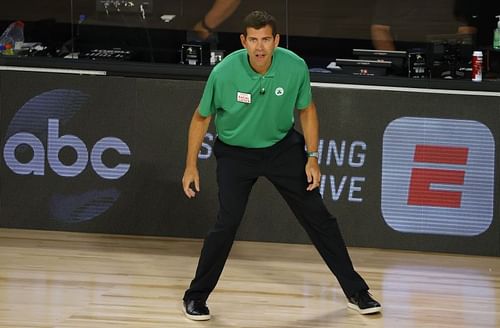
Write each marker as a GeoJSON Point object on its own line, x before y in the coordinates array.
{"type": "Point", "coordinates": [364, 311]}
{"type": "Point", "coordinates": [195, 317]}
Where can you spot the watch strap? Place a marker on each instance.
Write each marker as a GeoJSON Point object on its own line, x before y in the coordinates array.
{"type": "Point", "coordinates": [313, 154]}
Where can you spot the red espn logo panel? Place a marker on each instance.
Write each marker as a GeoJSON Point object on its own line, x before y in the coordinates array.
{"type": "Point", "coordinates": [420, 192]}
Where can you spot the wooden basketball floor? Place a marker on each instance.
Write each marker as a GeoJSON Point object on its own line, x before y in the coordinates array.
{"type": "Point", "coordinates": [76, 280]}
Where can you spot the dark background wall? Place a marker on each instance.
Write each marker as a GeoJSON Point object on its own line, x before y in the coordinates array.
{"type": "Point", "coordinates": [319, 30]}
{"type": "Point", "coordinates": [151, 117]}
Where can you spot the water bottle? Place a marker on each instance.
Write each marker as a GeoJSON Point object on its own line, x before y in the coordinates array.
{"type": "Point", "coordinates": [12, 36]}
{"type": "Point", "coordinates": [477, 66]}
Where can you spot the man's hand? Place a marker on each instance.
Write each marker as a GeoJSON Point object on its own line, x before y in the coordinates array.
{"type": "Point", "coordinates": [197, 131]}
{"type": "Point", "coordinates": [310, 127]}
{"type": "Point", "coordinates": [190, 176]}
{"type": "Point", "coordinates": [313, 173]}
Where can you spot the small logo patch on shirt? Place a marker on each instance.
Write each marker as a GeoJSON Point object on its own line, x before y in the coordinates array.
{"type": "Point", "coordinates": [279, 91]}
{"type": "Point", "coordinates": [243, 97]}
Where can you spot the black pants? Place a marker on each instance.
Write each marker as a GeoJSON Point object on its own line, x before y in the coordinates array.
{"type": "Point", "coordinates": [284, 165]}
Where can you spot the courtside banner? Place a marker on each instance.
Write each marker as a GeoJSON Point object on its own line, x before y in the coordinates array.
{"type": "Point", "coordinates": [411, 169]}
{"type": "Point", "coordinates": [400, 169]}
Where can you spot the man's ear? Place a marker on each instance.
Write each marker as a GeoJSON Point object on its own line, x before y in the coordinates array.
{"type": "Point", "coordinates": [243, 40]}
{"type": "Point", "coordinates": [276, 40]}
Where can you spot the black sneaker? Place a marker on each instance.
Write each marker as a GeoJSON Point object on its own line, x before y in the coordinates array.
{"type": "Point", "coordinates": [196, 310]}
{"type": "Point", "coordinates": [363, 302]}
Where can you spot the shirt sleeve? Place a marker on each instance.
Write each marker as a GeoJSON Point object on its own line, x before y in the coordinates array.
{"type": "Point", "coordinates": [207, 104]}
{"type": "Point", "coordinates": [304, 96]}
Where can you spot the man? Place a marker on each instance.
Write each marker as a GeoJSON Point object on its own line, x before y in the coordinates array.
{"type": "Point", "coordinates": [253, 93]}
{"type": "Point", "coordinates": [405, 24]}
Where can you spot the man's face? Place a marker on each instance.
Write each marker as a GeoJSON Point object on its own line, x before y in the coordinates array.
{"type": "Point", "coordinates": [260, 45]}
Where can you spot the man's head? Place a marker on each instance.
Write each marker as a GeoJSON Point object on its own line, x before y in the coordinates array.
{"type": "Point", "coordinates": [260, 39]}
{"type": "Point", "coordinates": [257, 20]}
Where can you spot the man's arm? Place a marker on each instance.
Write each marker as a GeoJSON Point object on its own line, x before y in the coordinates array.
{"type": "Point", "coordinates": [310, 127]}
{"type": "Point", "coordinates": [197, 131]}
{"type": "Point", "coordinates": [468, 30]}
{"type": "Point", "coordinates": [220, 11]}
{"type": "Point", "coordinates": [382, 37]}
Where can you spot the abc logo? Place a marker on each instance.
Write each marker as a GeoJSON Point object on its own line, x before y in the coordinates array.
{"type": "Point", "coordinates": [55, 143]}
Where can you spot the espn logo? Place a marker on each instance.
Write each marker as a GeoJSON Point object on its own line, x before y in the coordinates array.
{"type": "Point", "coordinates": [437, 176]}
{"type": "Point", "coordinates": [420, 192]}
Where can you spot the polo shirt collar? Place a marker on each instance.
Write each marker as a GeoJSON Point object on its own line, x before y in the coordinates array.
{"type": "Point", "coordinates": [253, 74]}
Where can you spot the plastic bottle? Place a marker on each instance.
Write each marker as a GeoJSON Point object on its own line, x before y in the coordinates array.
{"type": "Point", "coordinates": [9, 49]}
{"type": "Point", "coordinates": [12, 35]}
{"type": "Point", "coordinates": [477, 66]}
{"type": "Point", "coordinates": [496, 35]}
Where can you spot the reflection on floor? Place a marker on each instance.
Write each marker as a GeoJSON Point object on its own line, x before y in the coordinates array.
{"type": "Point", "coordinates": [76, 280]}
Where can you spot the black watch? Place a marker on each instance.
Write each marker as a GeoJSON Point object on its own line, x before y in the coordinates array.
{"type": "Point", "coordinates": [205, 26]}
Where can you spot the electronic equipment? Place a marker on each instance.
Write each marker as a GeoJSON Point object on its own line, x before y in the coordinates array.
{"type": "Point", "coordinates": [107, 54]}
{"type": "Point", "coordinates": [396, 57]}
{"type": "Point", "coordinates": [364, 67]}
{"type": "Point", "coordinates": [417, 65]}
{"type": "Point", "coordinates": [492, 63]}
{"type": "Point", "coordinates": [450, 54]}
{"type": "Point", "coordinates": [195, 53]}
{"type": "Point", "coordinates": [141, 7]}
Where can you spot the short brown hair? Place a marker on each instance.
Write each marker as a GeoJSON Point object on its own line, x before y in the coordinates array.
{"type": "Point", "coordinates": [258, 19]}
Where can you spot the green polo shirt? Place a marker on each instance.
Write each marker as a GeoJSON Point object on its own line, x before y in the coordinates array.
{"type": "Point", "coordinates": [253, 110]}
